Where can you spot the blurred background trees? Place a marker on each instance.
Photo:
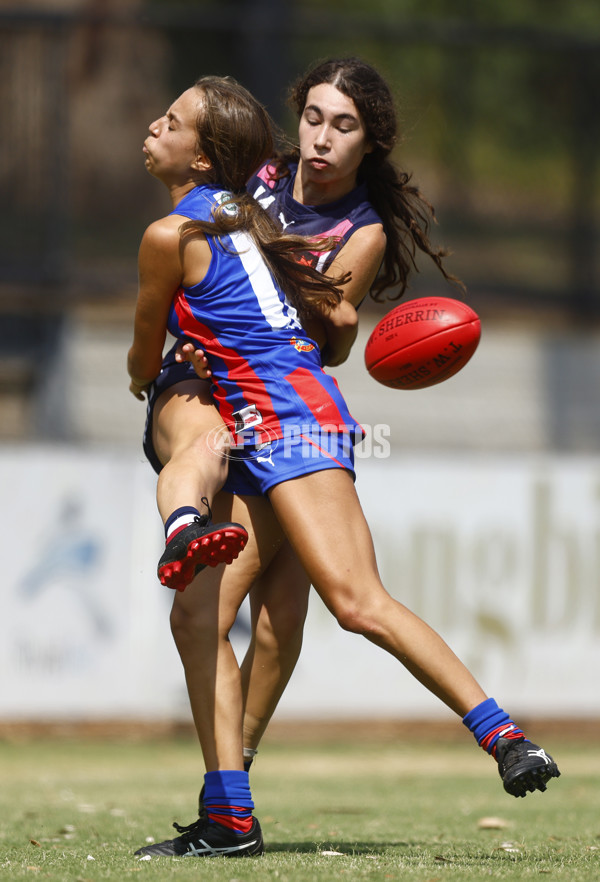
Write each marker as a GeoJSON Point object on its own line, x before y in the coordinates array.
{"type": "Point", "coordinates": [499, 119]}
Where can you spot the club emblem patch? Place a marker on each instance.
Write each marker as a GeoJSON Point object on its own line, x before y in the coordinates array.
{"type": "Point", "coordinates": [302, 345]}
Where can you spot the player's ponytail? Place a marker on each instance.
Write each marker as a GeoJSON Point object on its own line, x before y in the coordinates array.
{"type": "Point", "coordinates": [312, 293]}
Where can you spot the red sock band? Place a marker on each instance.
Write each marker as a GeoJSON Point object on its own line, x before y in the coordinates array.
{"type": "Point", "coordinates": [239, 823]}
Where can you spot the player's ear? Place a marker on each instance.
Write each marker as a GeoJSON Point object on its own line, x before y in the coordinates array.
{"type": "Point", "coordinates": [202, 163]}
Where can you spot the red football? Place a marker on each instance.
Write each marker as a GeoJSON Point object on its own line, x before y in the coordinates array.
{"type": "Point", "coordinates": [422, 342]}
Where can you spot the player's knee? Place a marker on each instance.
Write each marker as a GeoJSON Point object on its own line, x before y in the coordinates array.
{"type": "Point", "coordinates": [359, 617]}
{"type": "Point", "coordinates": [350, 618]}
{"type": "Point", "coordinates": [191, 629]}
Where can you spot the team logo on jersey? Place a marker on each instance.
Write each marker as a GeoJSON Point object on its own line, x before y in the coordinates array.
{"type": "Point", "coordinates": [246, 418]}
{"type": "Point", "coordinates": [227, 204]}
{"type": "Point", "coordinates": [302, 345]}
{"type": "Point", "coordinates": [285, 224]}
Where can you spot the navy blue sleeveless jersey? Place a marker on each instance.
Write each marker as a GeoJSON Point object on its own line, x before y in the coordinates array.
{"type": "Point", "coordinates": [266, 372]}
{"type": "Point", "coordinates": [337, 219]}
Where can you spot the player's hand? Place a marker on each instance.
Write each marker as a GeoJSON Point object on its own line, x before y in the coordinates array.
{"type": "Point", "coordinates": [138, 390]}
{"type": "Point", "coordinates": [196, 357]}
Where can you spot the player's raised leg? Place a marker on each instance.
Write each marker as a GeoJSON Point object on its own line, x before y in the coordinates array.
{"type": "Point", "coordinates": [191, 441]}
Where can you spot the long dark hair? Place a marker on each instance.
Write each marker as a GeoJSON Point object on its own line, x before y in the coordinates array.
{"type": "Point", "coordinates": [235, 132]}
{"type": "Point", "coordinates": [405, 213]}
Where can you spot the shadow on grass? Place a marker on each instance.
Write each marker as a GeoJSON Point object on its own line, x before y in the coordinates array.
{"type": "Point", "coordinates": [438, 853]}
{"type": "Point", "coordinates": [346, 848]}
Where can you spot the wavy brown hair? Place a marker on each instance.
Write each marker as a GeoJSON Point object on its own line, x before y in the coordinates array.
{"type": "Point", "coordinates": [405, 213]}
{"type": "Point", "coordinates": [235, 132]}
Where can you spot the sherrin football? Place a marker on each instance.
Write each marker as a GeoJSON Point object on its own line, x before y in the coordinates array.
{"type": "Point", "coordinates": [422, 342]}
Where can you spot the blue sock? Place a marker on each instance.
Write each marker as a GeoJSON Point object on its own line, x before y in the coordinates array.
{"type": "Point", "coordinates": [488, 723]}
{"type": "Point", "coordinates": [228, 800]}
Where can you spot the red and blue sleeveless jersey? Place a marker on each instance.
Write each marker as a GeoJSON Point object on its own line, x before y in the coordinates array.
{"type": "Point", "coordinates": [266, 372]}
{"type": "Point", "coordinates": [338, 219]}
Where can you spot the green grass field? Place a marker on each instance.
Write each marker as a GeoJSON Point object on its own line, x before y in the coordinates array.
{"type": "Point", "coordinates": [77, 810]}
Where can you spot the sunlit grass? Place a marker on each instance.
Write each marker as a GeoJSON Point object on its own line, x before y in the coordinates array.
{"type": "Point", "coordinates": [74, 810]}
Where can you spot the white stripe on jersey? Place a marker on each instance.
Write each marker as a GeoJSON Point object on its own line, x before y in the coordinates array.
{"type": "Point", "coordinates": [321, 261]}
{"type": "Point", "coordinates": [265, 201]}
{"type": "Point", "coordinates": [277, 314]}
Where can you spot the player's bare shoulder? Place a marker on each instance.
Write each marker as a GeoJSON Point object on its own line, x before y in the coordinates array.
{"type": "Point", "coordinates": [162, 236]}
{"type": "Point", "coordinates": [366, 245]}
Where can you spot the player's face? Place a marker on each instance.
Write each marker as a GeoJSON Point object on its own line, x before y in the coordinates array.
{"type": "Point", "coordinates": [333, 139]}
{"type": "Point", "coordinates": [171, 147]}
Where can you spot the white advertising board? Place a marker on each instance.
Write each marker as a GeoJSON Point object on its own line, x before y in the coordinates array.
{"type": "Point", "coordinates": [501, 555]}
